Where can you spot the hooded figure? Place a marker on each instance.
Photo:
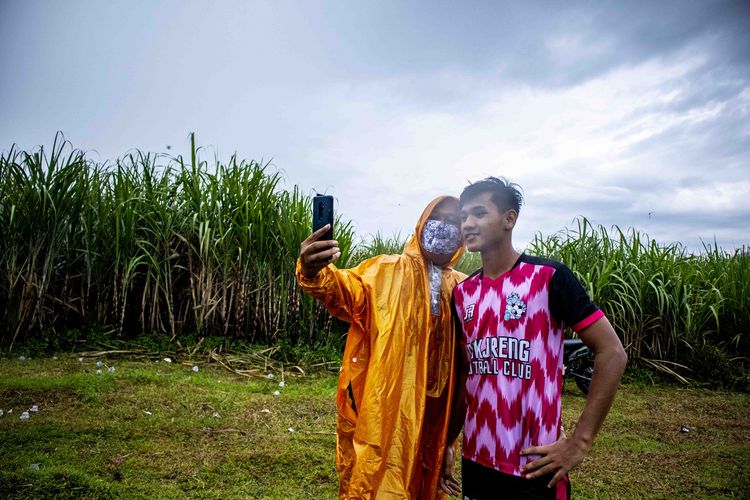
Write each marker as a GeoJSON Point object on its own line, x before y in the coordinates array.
{"type": "Point", "coordinates": [397, 375]}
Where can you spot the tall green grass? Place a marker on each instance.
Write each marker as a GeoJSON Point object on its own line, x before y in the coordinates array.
{"type": "Point", "coordinates": [666, 303]}
{"type": "Point", "coordinates": [671, 308]}
{"type": "Point", "coordinates": [181, 246]}
{"type": "Point", "coordinates": [154, 244]}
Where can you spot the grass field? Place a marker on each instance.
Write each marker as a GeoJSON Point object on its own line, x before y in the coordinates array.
{"type": "Point", "coordinates": [161, 430]}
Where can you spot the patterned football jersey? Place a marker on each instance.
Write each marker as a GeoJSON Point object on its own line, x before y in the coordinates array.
{"type": "Point", "coordinates": [513, 336]}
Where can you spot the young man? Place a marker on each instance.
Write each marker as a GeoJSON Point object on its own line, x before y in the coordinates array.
{"type": "Point", "coordinates": [512, 314]}
{"type": "Point", "coordinates": [397, 375]}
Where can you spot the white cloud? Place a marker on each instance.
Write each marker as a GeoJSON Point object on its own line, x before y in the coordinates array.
{"type": "Point", "coordinates": [576, 150]}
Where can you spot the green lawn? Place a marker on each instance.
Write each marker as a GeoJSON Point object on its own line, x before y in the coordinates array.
{"type": "Point", "coordinates": [149, 430]}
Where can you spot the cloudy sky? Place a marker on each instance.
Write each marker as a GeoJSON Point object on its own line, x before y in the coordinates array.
{"type": "Point", "coordinates": [630, 113]}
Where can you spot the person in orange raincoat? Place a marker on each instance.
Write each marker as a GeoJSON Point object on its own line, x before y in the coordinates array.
{"type": "Point", "coordinates": [397, 374]}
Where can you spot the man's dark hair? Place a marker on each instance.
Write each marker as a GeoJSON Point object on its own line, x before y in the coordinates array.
{"type": "Point", "coordinates": [505, 194]}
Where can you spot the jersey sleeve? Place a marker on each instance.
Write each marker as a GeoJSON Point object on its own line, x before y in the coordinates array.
{"type": "Point", "coordinates": [569, 303]}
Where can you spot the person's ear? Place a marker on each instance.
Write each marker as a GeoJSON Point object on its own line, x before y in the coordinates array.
{"type": "Point", "coordinates": [510, 217]}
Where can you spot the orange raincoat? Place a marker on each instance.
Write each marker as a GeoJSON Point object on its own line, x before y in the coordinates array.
{"type": "Point", "coordinates": [397, 374]}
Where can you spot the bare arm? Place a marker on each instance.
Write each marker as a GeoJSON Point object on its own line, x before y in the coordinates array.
{"type": "Point", "coordinates": [609, 365]}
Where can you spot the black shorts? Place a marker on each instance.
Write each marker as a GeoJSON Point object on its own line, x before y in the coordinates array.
{"type": "Point", "coordinates": [482, 483]}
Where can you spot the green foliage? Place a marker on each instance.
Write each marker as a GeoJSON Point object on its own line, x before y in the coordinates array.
{"type": "Point", "coordinates": [38, 343]}
{"type": "Point", "coordinates": [377, 244]}
{"type": "Point", "coordinates": [153, 244]}
{"type": "Point", "coordinates": [665, 303]}
{"type": "Point", "coordinates": [324, 353]}
{"type": "Point", "coordinates": [711, 363]}
{"type": "Point", "coordinates": [186, 250]}
{"type": "Point", "coordinates": [470, 262]}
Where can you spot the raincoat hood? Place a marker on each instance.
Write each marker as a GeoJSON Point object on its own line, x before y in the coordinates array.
{"type": "Point", "coordinates": [397, 373]}
{"type": "Point", "coordinates": [413, 247]}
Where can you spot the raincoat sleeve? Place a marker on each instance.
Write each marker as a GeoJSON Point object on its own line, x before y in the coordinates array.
{"type": "Point", "coordinates": [341, 291]}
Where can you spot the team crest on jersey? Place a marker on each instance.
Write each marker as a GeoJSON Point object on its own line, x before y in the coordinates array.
{"type": "Point", "coordinates": [469, 313]}
{"type": "Point", "coordinates": [514, 307]}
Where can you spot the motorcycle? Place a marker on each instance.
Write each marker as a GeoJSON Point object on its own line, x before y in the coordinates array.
{"type": "Point", "coordinates": [578, 362]}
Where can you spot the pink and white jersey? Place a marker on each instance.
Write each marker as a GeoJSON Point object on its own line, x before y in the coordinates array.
{"type": "Point", "coordinates": [513, 336]}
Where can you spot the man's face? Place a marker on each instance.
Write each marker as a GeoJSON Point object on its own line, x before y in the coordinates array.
{"type": "Point", "coordinates": [446, 211]}
{"type": "Point", "coordinates": [483, 224]}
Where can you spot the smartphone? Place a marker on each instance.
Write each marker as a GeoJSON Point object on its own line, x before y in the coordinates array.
{"type": "Point", "coordinates": [323, 214]}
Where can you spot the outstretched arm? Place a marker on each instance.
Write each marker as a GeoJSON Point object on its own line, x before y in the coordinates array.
{"type": "Point", "coordinates": [609, 365]}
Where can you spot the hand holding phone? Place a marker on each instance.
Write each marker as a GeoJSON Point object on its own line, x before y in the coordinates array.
{"type": "Point", "coordinates": [319, 249]}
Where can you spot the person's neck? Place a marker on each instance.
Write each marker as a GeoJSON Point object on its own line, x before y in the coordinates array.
{"type": "Point", "coordinates": [499, 260]}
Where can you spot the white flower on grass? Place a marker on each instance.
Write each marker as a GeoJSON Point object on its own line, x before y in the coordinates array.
{"type": "Point", "coordinates": [98, 372]}
{"type": "Point", "coordinates": [167, 360]}
{"type": "Point", "coordinates": [1, 413]}
{"type": "Point", "coordinates": [34, 409]}
{"type": "Point", "coordinates": [99, 363]}
{"type": "Point", "coordinates": [265, 410]}
{"type": "Point", "coordinates": [282, 384]}
{"type": "Point", "coordinates": [195, 369]}
{"type": "Point", "coordinates": [34, 466]}
{"type": "Point", "coordinates": [25, 415]}
{"type": "Point", "coordinates": [21, 358]}
{"type": "Point", "coordinates": [216, 415]}
{"type": "Point", "coordinates": [111, 369]}
{"type": "Point", "coordinates": [291, 429]}
{"type": "Point", "coordinates": [276, 393]}
{"type": "Point", "coordinates": [270, 375]}
{"type": "Point", "coordinates": [80, 360]}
